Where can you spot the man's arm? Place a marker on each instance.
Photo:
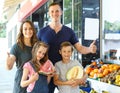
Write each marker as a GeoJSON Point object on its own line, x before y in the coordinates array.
{"type": "Point", "coordinates": [85, 50]}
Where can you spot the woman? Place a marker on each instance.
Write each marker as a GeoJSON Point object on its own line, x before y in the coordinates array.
{"type": "Point", "coordinates": [21, 52]}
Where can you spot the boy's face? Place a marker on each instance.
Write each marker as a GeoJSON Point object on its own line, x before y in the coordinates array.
{"type": "Point", "coordinates": [66, 52]}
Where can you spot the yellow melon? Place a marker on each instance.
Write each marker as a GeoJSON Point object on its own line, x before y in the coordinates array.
{"type": "Point", "coordinates": [75, 72]}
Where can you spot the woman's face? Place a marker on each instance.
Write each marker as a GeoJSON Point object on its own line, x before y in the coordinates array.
{"type": "Point", "coordinates": [41, 52]}
{"type": "Point", "coordinates": [27, 30]}
{"type": "Point", "coordinates": [55, 12]}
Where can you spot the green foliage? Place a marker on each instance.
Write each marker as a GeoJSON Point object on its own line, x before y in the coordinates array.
{"type": "Point", "coordinates": [77, 14]}
{"type": "Point", "coordinates": [115, 26]}
{"type": "Point", "coordinates": [2, 30]}
{"type": "Point", "coordinates": [67, 11]}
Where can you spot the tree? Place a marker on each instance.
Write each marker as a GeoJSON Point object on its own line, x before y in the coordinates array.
{"type": "Point", "coordinates": [2, 30]}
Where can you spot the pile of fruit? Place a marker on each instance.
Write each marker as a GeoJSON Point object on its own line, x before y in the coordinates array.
{"type": "Point", "coordinates": [117, 80]}
{"type": "Point", "coordinates": [109, 73]}
{"type": "Point", "coordinates": [93, 91]}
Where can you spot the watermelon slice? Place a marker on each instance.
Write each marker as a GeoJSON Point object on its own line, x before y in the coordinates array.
{"type": "Point", "coordinates": [75, 72]}
{"type": "Point", "coordinates": [47, 68]}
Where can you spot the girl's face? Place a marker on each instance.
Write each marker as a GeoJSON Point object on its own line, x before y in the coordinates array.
{"type": "Point", "coordinates": [66, 52]}
{"type": "Point", "coordinates": [27, 30]}
{"type": "Point", "coordinates": [41, 52]}
{"type": "Point", "coordinates": [55, 12]}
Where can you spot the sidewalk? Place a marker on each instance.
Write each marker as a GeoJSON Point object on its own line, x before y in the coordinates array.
{"type": "Point", "coordinates": [6, 77]}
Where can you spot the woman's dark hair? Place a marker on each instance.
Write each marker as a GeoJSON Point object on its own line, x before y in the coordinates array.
{"type": "Point", "coordinates": [20, 37]}
{"type": "Point", "coordinates": [35, 48]}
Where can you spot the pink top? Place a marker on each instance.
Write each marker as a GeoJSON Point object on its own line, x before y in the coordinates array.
{"type": "Point", "coordinates": [31, 71]}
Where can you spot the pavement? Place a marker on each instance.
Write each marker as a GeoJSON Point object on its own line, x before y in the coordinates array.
{"type": "Point", "coordinates": [6, 77]}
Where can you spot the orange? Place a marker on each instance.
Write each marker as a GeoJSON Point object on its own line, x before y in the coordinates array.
{"type": "Point", "coordinates": [110, 66]}
{"type": "Point", "coordinates": [96, 70]}
{"type": "Point", "coordinates": [94, 63]}
{"type": "Point", "coordinates": [100, 75]}
{"type": "Point", "coordinates": [101, 62]}
{"type": "Point", "coordinates": [92, 73]}
{"type": "Point", "coordinates": [100, 70]}
{"type": "Point", "coordinates": [88, 70]}
{"type": "Point", "coordinates": [105, 72]}
{"type": "Point", "coordinates": [103, 67]}
{"type": "Point", "coordinates": [116, 67]}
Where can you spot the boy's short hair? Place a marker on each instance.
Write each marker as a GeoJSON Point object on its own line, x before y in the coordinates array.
{"type": "Point", "coordinates": [65, 44]}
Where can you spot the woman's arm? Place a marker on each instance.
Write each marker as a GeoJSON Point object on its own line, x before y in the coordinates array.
{"type": "Point", "coordinates": [10, 60]}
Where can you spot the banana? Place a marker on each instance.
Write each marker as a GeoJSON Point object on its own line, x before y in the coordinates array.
{"type": "Point", "coordinates": [93, 91]}
{"type": "Point", "coordinates": [105, 91]}
{"type": "Point", "coordinates": [82, 91]}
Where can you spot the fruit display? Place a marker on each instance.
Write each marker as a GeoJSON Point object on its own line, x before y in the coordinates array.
{"type": "Point", "coordinates": [47, 68]}
{"type": "Point", "coordinates": [75, 72]}
{"type": "Point", "coordinates": [117, 80]}
{"type": "Point", "coordinates": [82, 91]}
{"type": "Point", "coordinates": [112, 78]}
{"type": "Point", "coordinates": [105, 91]}
{"type": "Point", "coordinates": [93, 91]}
{"type": "Point", "coordinates": [109, 73]}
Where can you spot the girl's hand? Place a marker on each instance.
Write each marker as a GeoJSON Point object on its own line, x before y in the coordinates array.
{"type": "Point", "coordinates": [52, 72]}
{"type": "Point", "coordinates": [34, 77]}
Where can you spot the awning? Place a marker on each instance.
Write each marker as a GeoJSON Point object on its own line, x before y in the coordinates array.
{"type": "Point", "coordinates": [28, 7]}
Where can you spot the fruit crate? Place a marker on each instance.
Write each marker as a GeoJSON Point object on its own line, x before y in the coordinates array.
{"type": "Point", "coordinates": [102, 86]}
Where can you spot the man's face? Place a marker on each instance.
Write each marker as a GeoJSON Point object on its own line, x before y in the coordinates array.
{"type": "Point", "coordinates": [55, 12]}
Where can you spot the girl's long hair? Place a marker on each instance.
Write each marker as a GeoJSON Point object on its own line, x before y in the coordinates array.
{"type": "Point", "coordinates": [37, 45]}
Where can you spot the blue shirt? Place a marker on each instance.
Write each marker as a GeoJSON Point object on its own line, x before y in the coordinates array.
{"type": "Point", "coordinates": [53, 39]}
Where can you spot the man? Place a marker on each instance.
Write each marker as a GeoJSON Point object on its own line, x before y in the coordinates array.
{"type": "Point", "coordinates": [56, 33]}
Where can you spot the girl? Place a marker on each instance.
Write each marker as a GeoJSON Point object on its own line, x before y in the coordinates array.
{"type": "Point", "coordinates": [37, 83]}
{"type": "Point", "coordinates": [21, 52]}
{"type": "Point", "coordinates": [64, 85]}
